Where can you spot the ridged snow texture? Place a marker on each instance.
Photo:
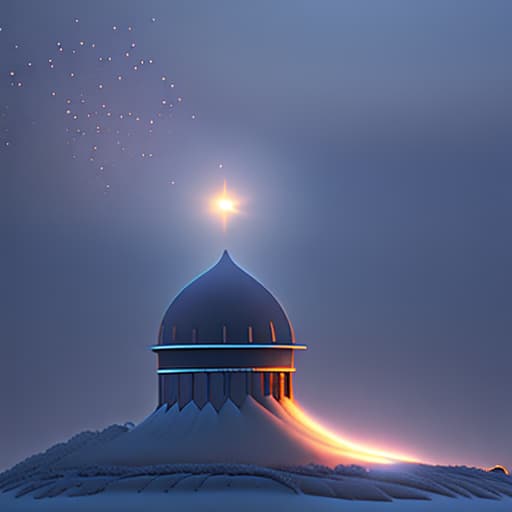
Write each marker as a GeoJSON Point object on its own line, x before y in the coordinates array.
{"type": "Point", "coordinates": [38, 477]}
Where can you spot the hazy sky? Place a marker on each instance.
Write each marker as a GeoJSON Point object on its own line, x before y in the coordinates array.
{"type": "Point", "coordinates": [371, 142]}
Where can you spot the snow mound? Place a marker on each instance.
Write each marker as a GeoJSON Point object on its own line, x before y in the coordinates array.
{"type": "Point", "coordinates": [255, 447]}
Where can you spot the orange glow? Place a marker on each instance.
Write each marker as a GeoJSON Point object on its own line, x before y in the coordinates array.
{"type": "Point", "coordinates": [224, 205]}
{"type": "Point", "coordinates": [339, 446]}
{"type": "Point", "coordinates": [499, 467]}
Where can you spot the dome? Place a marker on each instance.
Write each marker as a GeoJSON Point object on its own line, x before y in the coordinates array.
{"type": "Point", "coordinates": [225, 305]}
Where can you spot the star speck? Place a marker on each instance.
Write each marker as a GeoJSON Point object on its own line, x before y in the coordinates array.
{"type": "Point", "coordinates": [100, 102]}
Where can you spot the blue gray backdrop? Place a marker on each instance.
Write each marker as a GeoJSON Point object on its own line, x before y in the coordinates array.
{"type": "Point", "coordinates": [371, 143]}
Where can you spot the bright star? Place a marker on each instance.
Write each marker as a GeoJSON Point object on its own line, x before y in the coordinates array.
{"type": "Point", "coordinates": [225, 205]}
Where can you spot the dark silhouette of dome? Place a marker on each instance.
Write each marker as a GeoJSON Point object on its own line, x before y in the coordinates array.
{"type": "Point", "coordinates": [225, 305]}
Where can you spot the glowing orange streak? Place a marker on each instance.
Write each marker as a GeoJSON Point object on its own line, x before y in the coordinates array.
{"type": "Point", "coordinates": [340, 445]}
{"type": "Point", "coordinates": [498, 466]}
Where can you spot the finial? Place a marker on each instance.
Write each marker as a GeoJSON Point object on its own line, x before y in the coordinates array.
{"type": "Point", "coordinates": [225, 256]}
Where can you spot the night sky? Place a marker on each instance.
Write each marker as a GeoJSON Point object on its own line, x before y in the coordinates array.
{"type": "Point", "coordinates": [370, 145]}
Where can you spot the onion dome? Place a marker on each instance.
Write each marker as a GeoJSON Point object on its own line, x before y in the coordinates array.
{"type": "Point", "coordinates": [225, 337]}
{"type": "Point", "coordinates": [225, 305]}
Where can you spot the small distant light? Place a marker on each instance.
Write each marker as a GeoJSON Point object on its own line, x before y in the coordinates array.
{"type": "Point", "coordinates": [180, 99]}
{"type": "Point", "coordinates": [68, 101]}
{"type": "Point", "coordinates": [82, 43]}
{"type": "Point", "coordinates": [153, 20]}
{"type": "Point", "coordinates": [193, 116]}
{"type": "Point", "coordinates": [7, 143]}
{"type": "Point", "coordinates": [221, 166]}
{"type": "Point", "coordinates": [132, 45]}
{"type": "Point", "coordinates": [100, 86]}
{"type": "Point", "coordinates": [164, 78]}
{"type": "Point", "coordinates": [68, 111]}
{"type": "Point", "coordinates": [114, 27]}
{"type": "Point", "coordinates": [29, 64]}
{"type": "Point", "coordinates": [12, 73]}
{"type": "Point", "coordinates": [130, 28]}
{"type": "Point", "coordinates": [119, 77]}
{"type": "Point", "coordinates": [76, 20]}
{"type": "Point", "coordinates": [53, 93]}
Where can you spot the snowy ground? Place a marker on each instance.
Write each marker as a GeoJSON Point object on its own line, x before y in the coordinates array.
{"type": "Point", "coordinates": [225, 487]}
{"type": "Point", "coordinates": [236, 501]}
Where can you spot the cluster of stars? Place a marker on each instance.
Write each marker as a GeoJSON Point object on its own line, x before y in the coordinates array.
{"type": "Point", "coordinates": [113, 98]}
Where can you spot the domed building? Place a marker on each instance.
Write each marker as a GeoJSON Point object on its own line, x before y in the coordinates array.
{"type": "Point", "coordinates": [228, 434]}
{"type": "Point", "coordinates": [225, 337]}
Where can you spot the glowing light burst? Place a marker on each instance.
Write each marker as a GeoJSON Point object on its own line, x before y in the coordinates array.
{"type": "Point", "coordinates": [225, 205]}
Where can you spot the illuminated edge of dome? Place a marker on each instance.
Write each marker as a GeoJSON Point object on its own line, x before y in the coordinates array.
{"type": "Point", "coordinates": [156, 348]}
{"type": "Point", "coordinates": [227, 370]}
